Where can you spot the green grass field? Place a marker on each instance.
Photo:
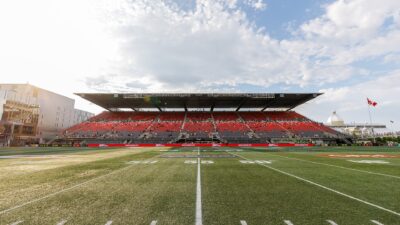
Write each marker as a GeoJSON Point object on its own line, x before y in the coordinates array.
{"type": "Point", "coordinates": [243, 186]}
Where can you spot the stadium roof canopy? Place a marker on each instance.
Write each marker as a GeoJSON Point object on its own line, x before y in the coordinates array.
{"type": "Point", "coordinates": [198, 101]}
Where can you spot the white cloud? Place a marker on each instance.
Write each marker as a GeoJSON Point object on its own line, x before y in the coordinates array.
{"type": "Point", "coordinates": [352, 31]}
{"type": "Point", "coordinates": [352, 20]}
{"type": "Point", "coordinates": [257, 4]}
{"type": "Point", "coordinates": [211, 44]}
{"type": "Point", "coordinates": [216, 44]}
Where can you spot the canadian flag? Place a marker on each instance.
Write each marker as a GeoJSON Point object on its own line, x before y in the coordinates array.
{"type": "Point", "coordinates": [370, 102]}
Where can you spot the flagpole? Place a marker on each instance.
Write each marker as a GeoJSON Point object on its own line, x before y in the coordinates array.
{"type": "Point", "coordinates": [391, 128]}
{"type": "Point", "coordinates": [370, 122]}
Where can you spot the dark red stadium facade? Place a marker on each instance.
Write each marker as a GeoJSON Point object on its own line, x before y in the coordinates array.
{"type": "Point", "coordinates": [200, 119]}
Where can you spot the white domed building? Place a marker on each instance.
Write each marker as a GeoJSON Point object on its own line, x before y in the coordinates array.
{"type": "Point", "coordinates": [335, 120]}
{"type": "Point", "coordinates": [355, 129]}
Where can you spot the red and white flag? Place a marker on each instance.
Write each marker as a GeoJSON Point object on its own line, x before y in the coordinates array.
{"type": "Point", "coordinates": [370, 102]}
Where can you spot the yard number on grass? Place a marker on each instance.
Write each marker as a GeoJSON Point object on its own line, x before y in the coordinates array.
{"type": "Point", "coordinates": [255, 161]}
{"type": "Point", "coordinates": [202, 162]}
{"type": "Point", "coordinates": [369, 161]}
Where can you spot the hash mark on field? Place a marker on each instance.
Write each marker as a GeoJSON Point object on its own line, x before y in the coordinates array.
{"type": "Point", "coordinates": [376, 222]}
{"type": "Point", "coordinates": [243, 222]}
{"type": "Point", "coordinates": [62, 222]}
{"type": "Point", "coordinates": [331, 222]}
{"type": "Point", "coordinates": [18, 222]}
{"type": "Point", "coordinates": [324, 187]}
{"type": "Point", "coordinates": [288, 222]}
{"type": "Point", "coordinates": [109, 222]}
{"type": "Point", "coordinates": [154, 222]}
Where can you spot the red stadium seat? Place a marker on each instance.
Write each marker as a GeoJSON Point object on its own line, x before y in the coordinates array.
{"type": "Point", "coordinates": [231, 125]}
{"type": "Point", "coordinates": [225, 116]}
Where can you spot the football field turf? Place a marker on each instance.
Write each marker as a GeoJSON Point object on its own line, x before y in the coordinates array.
{"type": "Point", "coordinates": [210, 186]}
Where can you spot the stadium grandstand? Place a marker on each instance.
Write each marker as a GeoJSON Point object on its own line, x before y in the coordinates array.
{"type": "Point", "coordinates": [153, 118]}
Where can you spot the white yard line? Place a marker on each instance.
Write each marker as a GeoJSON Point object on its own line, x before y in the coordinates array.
{"type": "Point", "coordinates": [341, 167]}
{"type": "Point", "coordinates": [331, 222]}
{"type": "Point", "coordinates": [109, 222]}
{"type": "Point", "coordinates": [324, 187]}
{"type": "Point", "coordinates": [18, 222]}
{"type": "Point", "coordinates": [288, 222]}
{"type": "Point", "coordinates": [376, 222]}
{"type": "Point", "coordinates": [68, 189]}
{"type": "Point", "coordinates": [62, 222]}
{"type": "Point", "coordinates": [199, 213]}
{"type": "Point", "coordinates": [243, 222]}
{"type": "Point", "coordinates": [154, 222]}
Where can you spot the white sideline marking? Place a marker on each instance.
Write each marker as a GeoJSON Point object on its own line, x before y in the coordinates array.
{"type": "Point", "coordinates": [199, 213]}
{"type": "Point", "coordinates": [243, 222]}
{"type": "Point", "coordinates": [246, 161]}
{"type": "Point", "coordinates": [342, 167]}
{"type": "Point", "coordinates": [109, 222]}
{"type": "Point", "coordinates": [18, 222]}
{"type": "Point", "coordinates": [331, 222]}
{"type": "Point", "coordinates": [62, 222]}
{"type": "Point", "coordinates": [67, 189]}
{"type": "Point", "coordinates": [376, 222]}
{"type": "Point", "coordinates": [288, 222]}
{"type": "Point", "coordinates": [190, 161]}
{"type": "Point", "coordinates": [324, 187]}
{"type": "Point", "coordinates": [154, 222]}
{"type": "Point", "coordinates": [264, 161]}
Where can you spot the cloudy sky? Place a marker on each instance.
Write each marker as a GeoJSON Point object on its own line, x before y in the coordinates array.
{"type": "Point", "coordinates": [347, 49]}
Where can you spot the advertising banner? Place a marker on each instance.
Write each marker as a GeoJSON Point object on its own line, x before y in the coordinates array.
{"type": "Point", "coordinates": [202, 145]}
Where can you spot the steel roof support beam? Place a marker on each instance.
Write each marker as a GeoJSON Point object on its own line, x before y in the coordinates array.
{"type": "Point", "coordinates": [241, 104]}
{"type": "Point", "coordinates": [268, 104]}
